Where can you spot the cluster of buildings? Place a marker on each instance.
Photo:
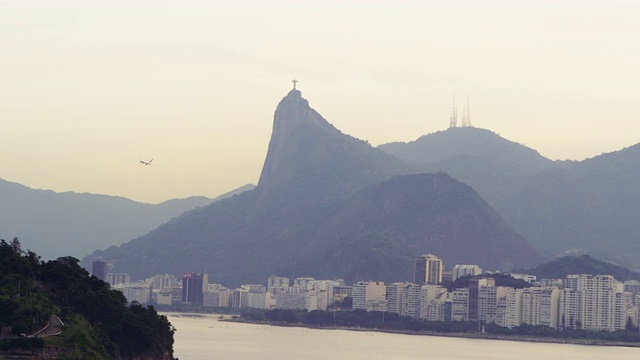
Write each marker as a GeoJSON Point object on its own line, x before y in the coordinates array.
{"type": "Point", "coordinates": [578, 301]}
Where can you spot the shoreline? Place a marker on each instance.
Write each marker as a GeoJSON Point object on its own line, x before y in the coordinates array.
{"type": "Point", "coordinates": [479, 336]}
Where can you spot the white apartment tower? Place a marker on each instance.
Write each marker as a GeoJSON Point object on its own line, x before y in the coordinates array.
{"type": "Point", "coordinates": [593, 303]}
{"type": "Point", "coordinates": [549, 307]}
{"type": "Point", "coordinates": [465, 270]}
{"type": "Point", "coordinates": [368, 293]}
{"type": "Point", "coordinates": [460, 305]}
{"type": "Point", "coordinates": [395, 293]}
{"type": "Point", "coordinates": [509, 307]}
{"type": "Point", "coordinates": [277, 284]}
{"type": "Point", "coordinates": [411, 300]}
{"type": "Point", "coordinates": [532, 306]}
{"type": "Point", "coordinates": [435, 309]}
{"type": "Point", "coordinates": [428, 296]}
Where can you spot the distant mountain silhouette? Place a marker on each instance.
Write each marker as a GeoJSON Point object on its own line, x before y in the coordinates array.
{"type": "Point", "coordinates": [466, 141]}
{"type": "Point", "coordinates": [383, 227]}
{"type": "Point", "coordinates": [584, 264]}
{"type": "Point", "coordinates": [569, 207]}
{"type": "Point", "coordinates": [590, 206]}
{"type": "Point", "coordinates": [312, 185]}
{"type": "Point", "coordinates": [61, 224]}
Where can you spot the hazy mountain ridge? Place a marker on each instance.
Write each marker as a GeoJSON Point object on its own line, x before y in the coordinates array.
{"type": "Point", "coordinates": [306, 150]}
{"type": "Point", "coordinates": [180, 244]}
{"type": "Point", "coordinates": [60, 224]}
{"type": "Point", "coordinates": [388, 223]}
{"type": "Point", "coordinates": [312, 172]}
{"type": "Point", "coordinates": [481, 143]}
{"type": "Point", "coordinates": [560, 207]}
{"type": "Point", "coordinates": [583, 264]}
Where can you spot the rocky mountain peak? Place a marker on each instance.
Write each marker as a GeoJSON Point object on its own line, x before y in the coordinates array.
{"type": "Point", "coordinates": [308, 153]}
{"type": "Point", "coordinates": [292, 110]}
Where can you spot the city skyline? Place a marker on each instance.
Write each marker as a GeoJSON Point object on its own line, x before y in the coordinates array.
{"type": "Point", "coordinates": [92, 88]}
{"type": "Point", "coordinates": [591, 302]}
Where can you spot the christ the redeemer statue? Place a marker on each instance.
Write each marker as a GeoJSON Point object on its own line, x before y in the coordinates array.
{"type": "Point", "coordinates": [294, 81]}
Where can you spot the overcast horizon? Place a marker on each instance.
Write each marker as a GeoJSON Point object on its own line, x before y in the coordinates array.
{"type": "Point", "coordinates": [92, 87]}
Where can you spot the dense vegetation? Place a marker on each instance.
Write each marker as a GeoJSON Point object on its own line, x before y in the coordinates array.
{"type": "Point", "coordinates": [585, 264]}
{"type": "Point", "coordinates": [98, 324]}
{"type": "Point", "coordinates": [394, 322]}
{"type": "Point", "coordinates": [501, 280]}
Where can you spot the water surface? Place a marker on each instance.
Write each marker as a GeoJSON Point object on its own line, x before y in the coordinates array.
{"type": "Point", "coordinates": [204, 337]}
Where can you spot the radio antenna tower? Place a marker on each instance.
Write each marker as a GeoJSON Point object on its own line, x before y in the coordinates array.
{"type": "Point", "coordinates": [466, 117]}
{"type": "Point", "coordinates": [453, 120]}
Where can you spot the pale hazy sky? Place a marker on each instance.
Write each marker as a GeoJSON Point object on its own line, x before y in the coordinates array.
{"type": "Point", "coordinates": [89, 87]}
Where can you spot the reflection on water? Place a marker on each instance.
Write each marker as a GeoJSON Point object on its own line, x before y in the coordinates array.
{"type": "Point", "coordinates": [204, 337]}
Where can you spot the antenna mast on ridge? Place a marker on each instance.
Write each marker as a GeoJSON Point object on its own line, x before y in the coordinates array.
{"type": "Point", "coordinates": [466, 117]}
{"type": "Point", "coordinates": [453, 120]}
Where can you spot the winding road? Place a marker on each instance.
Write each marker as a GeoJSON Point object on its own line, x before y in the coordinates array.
{"type": "Point", "coordinates": [53, 328]}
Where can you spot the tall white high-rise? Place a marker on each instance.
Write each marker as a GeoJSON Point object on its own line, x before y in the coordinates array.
{"type": "Point", "coordinates": [395, 294]}
{"type": "Point", "coordinates": [465, 270]}
{"type": "Point", "coordinates": [367, 294]}
{"type": "Point", "coordinates": [593, 303]}
{"type": "Point", "coordinates": [460, 305]}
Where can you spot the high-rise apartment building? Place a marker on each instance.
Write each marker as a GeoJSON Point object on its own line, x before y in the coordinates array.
{"type": "Point", "coordinates": [432, 301]}
{"type": "Point", "coordinates": [474, 295]}
{"type": "Point", "coordinates": [277, 284]}
{"type": "Point", "coordinates": [429, 294]}
{"type": "Point", "coordinates": [509, 307]}
{"type": "Point", "coordinates": [303, 282]}
{"type": "Point", "coordinates": [540, 306]}
{"type": "Point", "coordinates": [411, 300]}
{"type": "Point", "coordinates": [460, 304]}
{"type": "Point", "coordinates": [138, 291]}
{"type": "Point", "coordinates": [633, 287]}
{"type": "Point", "coordinates": [465, 270]}
{"type": "Point", "coordinates": [549, 306]}
{"type": "Point", "coordinates": [395, 293]}
{"type": "Point", "coordinates": [367, 294]}
{"type": "Point", "coordinates": [488, 296]}
{"type": "Point", "coordinates": [116, 279]}
{"type": "Point", "coordinates": [593, 303]}
{"type": "Point", "coordinates": [193, 287]}
{"type": "Point", "coordinates": [165, 281]}
{"type": "Point", "coordinates": [99, 269]}
{"type": "Point", "coordinates": [240, 298]}
{"type": "Point", "coordinates": [428, 270]}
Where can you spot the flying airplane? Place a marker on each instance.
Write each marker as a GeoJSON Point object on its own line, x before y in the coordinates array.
{"type": "Point", "coordinates": [144, 162]}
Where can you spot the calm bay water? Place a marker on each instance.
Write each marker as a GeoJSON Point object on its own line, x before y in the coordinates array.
{"type": "Point", "coordinates": [204, 337]}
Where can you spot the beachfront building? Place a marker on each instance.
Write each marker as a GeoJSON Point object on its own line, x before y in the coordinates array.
{"type": "Point", "coordinates": [277, 284]}
{"type": "Point", "coordinates": [594, 303]}
{"type": "Point", "coordinates": [431, 302]}
{"type": "Point", "coordinates": [474, 296]}
{"type": "Point", "coordinates": [540, 306]}
{"type": "Point", "coordinates": [369, 293]}
{"type": "Point", "coordinates": [395, 293]}
{"type": "Point", "coordinates": [460, 305]}
{"type": "Point", "coordinates": [411, 295]}
{"type": "Point", "coordinates": [508, 307]}
{"type": "Point", "coordinates": [438, 308]}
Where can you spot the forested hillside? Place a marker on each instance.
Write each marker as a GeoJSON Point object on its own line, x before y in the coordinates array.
{"type": "Point", "coordinates": [97, 323]}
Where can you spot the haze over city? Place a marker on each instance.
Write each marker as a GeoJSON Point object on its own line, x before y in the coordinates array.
{"type": "Point", "coordinates": [90, 88]}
